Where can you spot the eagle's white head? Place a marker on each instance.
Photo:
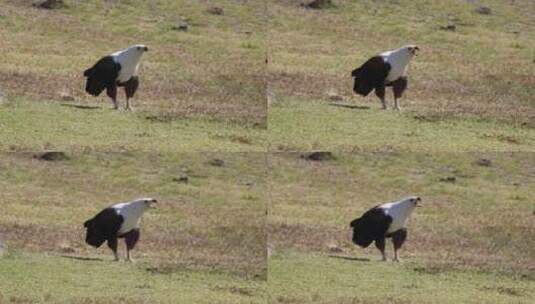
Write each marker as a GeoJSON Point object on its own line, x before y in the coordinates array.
{"type": "Point", "coordinates": [412, 201]}
{"type": "Point", "coordinates": [145, 202]}
{"type": "Point", "coordinates": [410, 50]}
{"type": "Point", "coordinates": [129, 60]}
{"type": "Point", "coordinates": [138, 48]}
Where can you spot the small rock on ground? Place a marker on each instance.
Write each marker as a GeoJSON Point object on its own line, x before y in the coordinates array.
{"type": "Point", "coordinates": [216, 162]}
{"type": "Point", "coordinates": [216, 10]}
{"type": "Point", "coordinates": [484, 162]}
{"type": "Point", "coordinates": [318, 156]}
{"type": "Point", "coordinates": [335, 97]}
{"type": "Point", "coordinates": [65, 96]}
{"type": "Point", "coordinates": [65, 248]}
{"type": "Point", "coordinates": [49, 4]}
{"type": "Point", "coordinates": [333, 248]}
{"type": "Point", "coordinates": [52, 156]}
{"type": "Point", "coordinates": [484, 10]}
{"type": "Point", "coordinates": [181, 179]}
{"type": "Point", "coordinates": [319, 4]}
{"type": "Point", "coordinates": [3, 248]}
{"type": "Point", "coordinates": [181, 25]}
{"type": "Point", "coordinates": [450, 27]}
{"type": "Point", "coordinates": [448, 179]}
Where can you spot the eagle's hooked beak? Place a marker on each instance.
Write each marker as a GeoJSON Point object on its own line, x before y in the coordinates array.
{"type": "Point", "coordinates": [418, 200]}
{"type": "Point", "coordinates": [146, 49]}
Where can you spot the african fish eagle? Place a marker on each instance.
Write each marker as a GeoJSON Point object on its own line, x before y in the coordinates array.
{"type": "Point", "coordinates": [118, 221]}
{"type": "Point", "coordinates": [384, 221]}
{"type": "Point", "coordinates": [385, 70]}
{"type": "Point", "coordinates": [116, 70]}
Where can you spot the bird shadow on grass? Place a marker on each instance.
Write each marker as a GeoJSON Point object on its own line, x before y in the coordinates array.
{"type": "Point", "coordinates": [81, 258]}
{"type": "Point", "coordinates": [349, 106]}
{"type": "Point", "coordinates": [81, 106]}
{"type": "Point", "coordinates": [349, 258]}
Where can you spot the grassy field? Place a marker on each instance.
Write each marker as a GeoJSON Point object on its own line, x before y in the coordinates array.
{"type": "Point", "coordinates": [29, 126]}
{"type": "Point", "coordinates": [217, 136]}
{"type": "Point", "coordinates": [471, 242]}
{"type": "Point", "coordinates": [205, 242]}
{"type": "Point", "coordinates": [214, 71]}
{"type": "Point", "coordinates": [469, 90]}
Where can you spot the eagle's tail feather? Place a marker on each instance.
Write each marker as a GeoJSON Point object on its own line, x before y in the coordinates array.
{"type": "Point", "coordinates": [355, 72]}
{"type": "Point", "coordinates": [360, 236]}
{"type": "Point", "coordinates": [93, 86]}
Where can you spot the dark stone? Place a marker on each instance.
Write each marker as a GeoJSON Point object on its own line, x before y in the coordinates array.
{"type": "Point", "coordinates": [334, 248]}
{"type": "Point", "coordinates": [448, 179]}
{"type": "Point", "coordinates": [3, 248]}
{"type": "Point", "coordinates": [65, 248]}
{"type": "Point", "coordinates": [484, 10]}
{"type": "Point", "coordinates": [181, 25]}
{"type": "Point", "coordinates": [52, 156]}
{"type": "Point", "coordinates": [450, 27]}
{"type": "Point", "coordinates": [216, 162]}
{"type": "Point", "coordinates": [335, 97]}
{"type": "Point", "coordinates": [2, 95]}
{"type": "Point", "coordinates": [181, 179]}
{"type": "Point", "coordinates": [484, 162]}
{"type": "Point", "coordinates": [216, 10]}
{"type": "Point", "coordinates": [318, 156]}
{"type": "Point", "coordinates": [319, 4]}
{"type": "Point", "coordinates": [49, 4]}
{"type": "Point", "coordinates": [65, 96]}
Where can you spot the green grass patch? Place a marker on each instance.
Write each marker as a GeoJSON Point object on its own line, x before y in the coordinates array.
{"type": "Point", "coordinates": [315, 278]}
{"type": "Point", "coordinates": [42, 278]}
{"type": "Point", "coordinates": [33, 126]}
{"type": "Point", "coordinates": [295, 125]}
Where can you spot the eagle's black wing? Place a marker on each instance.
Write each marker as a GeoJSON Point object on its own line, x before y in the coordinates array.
{"type": "Point", "coordinates": [373, 224]}
{"type": "Point", "coordinates": [102, 75]}
{"type": "Point", "coordinates": [370, 75]}
{"type": "Point", "coordinates": [105, 225]}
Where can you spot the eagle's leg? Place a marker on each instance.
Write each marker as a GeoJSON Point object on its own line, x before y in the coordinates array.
{"type": "Point", "coordinates": [111, 91]}
{"type": "Point", "coordinates": [380, 92]}
{"type": "Point", "coordinates": [398, 238]}
{"type": "Point", "coordinates": [131, 239]}
{"type": "Point", "coordinates": [130, 88]}
{"type": "Point", "coordinates": [112, 243]}
{"type": "Point", "coordinates": [380, 244]}
{"type": "Point", "coordinates": [399, 87]}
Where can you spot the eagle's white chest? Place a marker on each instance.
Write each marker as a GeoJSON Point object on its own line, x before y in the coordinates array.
{"type": "Point", "coordinates": [129, 62]}
{"type": "Point", "coordinates": [399, 63]}
{"type": "Point", "coordinates": [131, 214]}
{"type": "Point", "coordinates": [400, 214]}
